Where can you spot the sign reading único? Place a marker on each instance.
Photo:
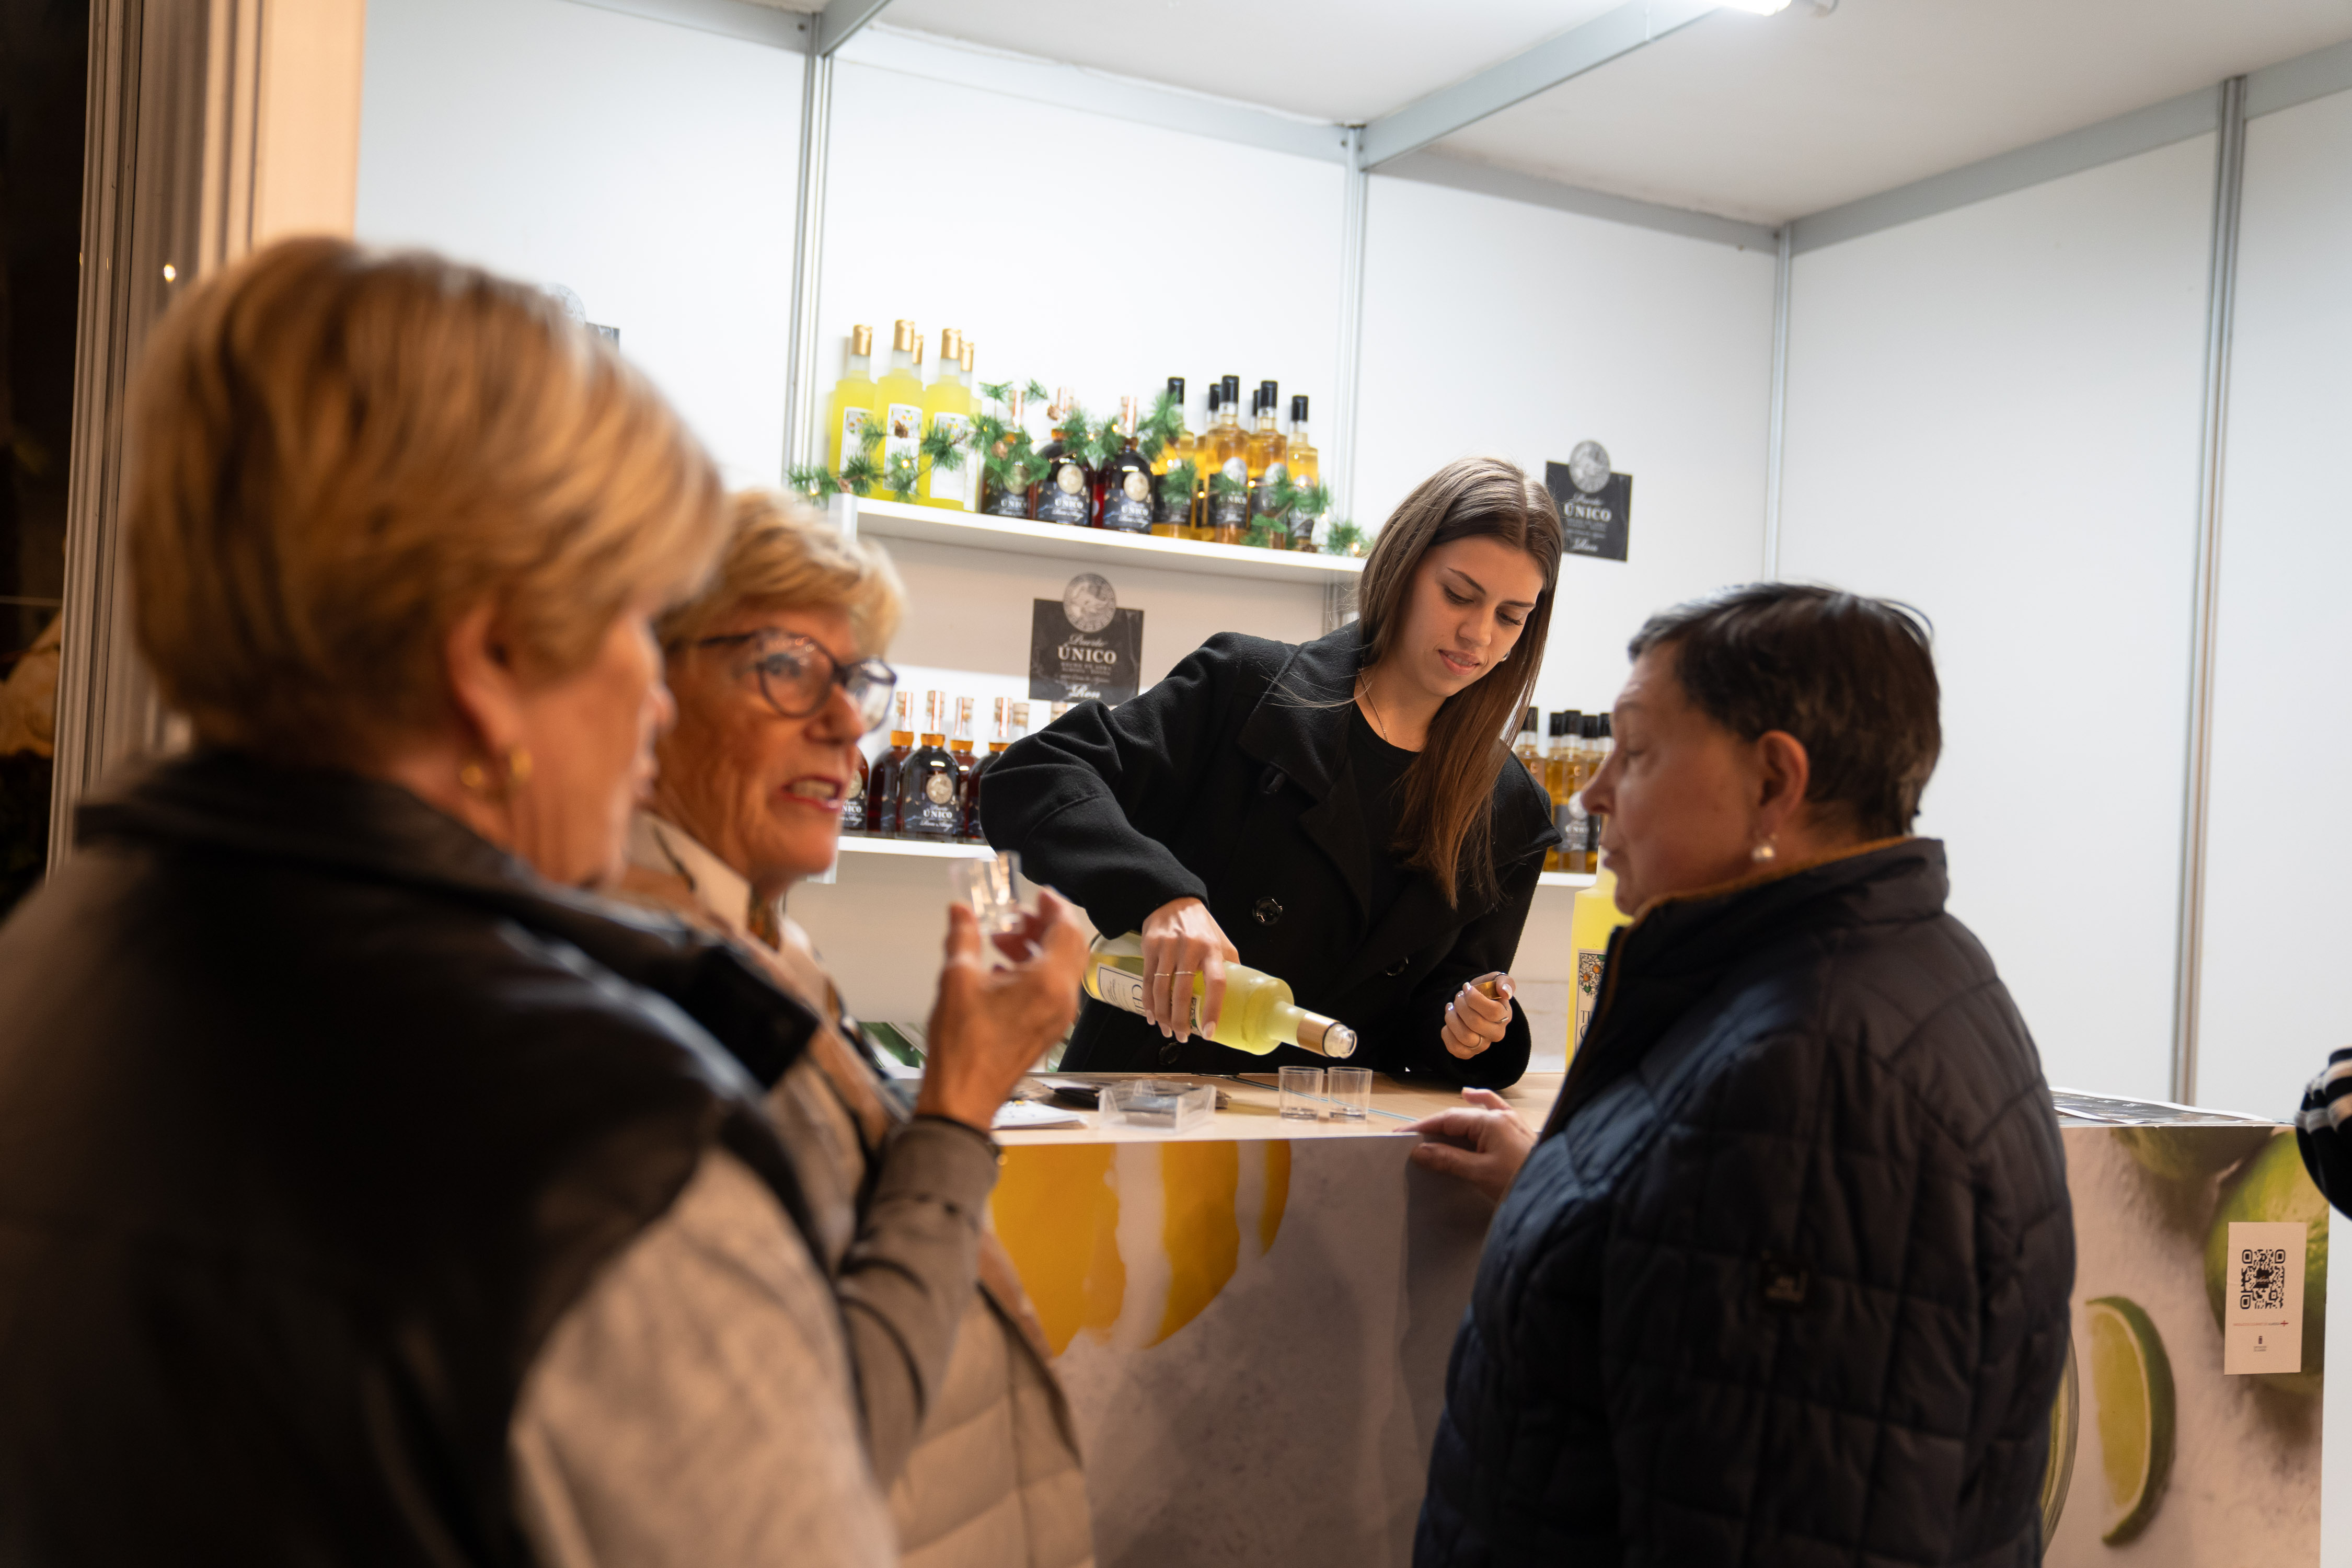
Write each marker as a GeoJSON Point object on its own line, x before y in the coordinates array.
{"type": "Point", "coordinates": [1596, 506]}
{"type": "Point", "coordinates": [1083, 645]}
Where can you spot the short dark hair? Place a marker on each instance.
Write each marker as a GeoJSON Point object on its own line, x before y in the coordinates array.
{"type": "Point", "coordinates": [1851, 678]}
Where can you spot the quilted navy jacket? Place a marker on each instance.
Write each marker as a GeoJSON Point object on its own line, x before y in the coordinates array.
{"type": "Point", "coordinates": [1785, 1281]}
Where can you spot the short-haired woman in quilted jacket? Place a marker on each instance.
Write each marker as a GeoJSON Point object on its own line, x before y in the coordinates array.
{"type": "Point", "coordinates": [1784, 1278]}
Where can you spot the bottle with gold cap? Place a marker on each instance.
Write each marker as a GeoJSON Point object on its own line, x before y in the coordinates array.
{"type": "Point", "coordinates": [1126, 481]}
{"type": "Point", "coordinates": [947, 407]}
{"type": "Point", "coordinates": [972, 464]}
{"type": "Point", "coordinates": [856, 402]}
{"type": "Point", "coordinates": [1172, 512]}
{"type": "Point", "coordinates": [900, 393]}
{"type": "Point", "coordinates": [1228, 505]}
{"type": "Point", "coordinates": [1258, 1014]}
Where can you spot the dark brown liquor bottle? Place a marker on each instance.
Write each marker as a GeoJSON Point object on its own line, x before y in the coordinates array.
{"type": "Point", "coordinates": [930, 804]}
{"type": "Point", "coordinates": [1000, 737]}
{"type": "Point", "coordinates": [853, 805]}
{"type": "Point", "coordinates": [1126, 481]}
{"type": "Point", "coordinates": [1065, 492]}
{"type": "Point", "coordinates": [882, 783]}
{"type": "Point", "coordinates": [1008, 495]}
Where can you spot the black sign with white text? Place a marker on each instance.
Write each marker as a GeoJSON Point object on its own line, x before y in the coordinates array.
{"type": "Point", "coordinates": [1083, 645]}
{"type": "Point", "coordinates": [1592, 522]}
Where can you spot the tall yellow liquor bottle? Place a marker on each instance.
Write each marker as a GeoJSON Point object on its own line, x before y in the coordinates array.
{"type": "Point", "coordinates": [1257, 1015]}
{"type": "Point", "coordinates": [1560, 782]}
{"type": "Point", "coordinates": [1172, 507]}
{"type": "Point", "coordinates": [1595, 916]}
{"type": "Point", "coordinates": [947, 405]}
{"type": "Point", "coordinates": [1204, 466]}
{"type": "Point", "coordinates": [901, 400]}
{"type": "Point", "coordinates": [1265, 456]}
{"type": "Point", "coordinates": [1229, 460]}
{"type": "Point", "coordinates": [1529, 750]}
{"type": "Point", "coordinates": [857, 402]}
{"type": "Point", "coordinates": [1306, 471]}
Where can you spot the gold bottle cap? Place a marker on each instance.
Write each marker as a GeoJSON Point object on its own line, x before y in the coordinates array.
{"type": "Point", "coordinates": [950, 346]}
{"type": "Point", "coordinates": [969, 352]}
{"type": "Point", "coordinates": [1327, 1037]}
{"type": "Point", "coordinates": [1015, 402]}
{"type": "Point", "coordinates": [918, 352]}
{"type": "Point", "coordinates": [902, 336]}
{"type": "Point", "coordinates": [861, 340]}
{"type": "Point", "coordinates": [1020, 715]}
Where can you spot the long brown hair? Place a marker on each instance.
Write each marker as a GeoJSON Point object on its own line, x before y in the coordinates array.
{"type": "Point", "coordinates": [1446, 824]}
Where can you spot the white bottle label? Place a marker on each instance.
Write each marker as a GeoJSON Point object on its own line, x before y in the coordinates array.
{"type": "Point", "coordinates": [853, 428]}
{"type": "Point", "coordinates": [902, 433]}
{"type": "Point", "coordinates": [945, 485]}
{"type": "Point", "coordinates": [1588, 966]}
{"type": "Point", "coordinates": [1123, 989]}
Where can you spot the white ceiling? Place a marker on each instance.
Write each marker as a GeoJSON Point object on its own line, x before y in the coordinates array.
{"type": "Point", "coordinates": [1768, 118]}
{"type": "Point", "coordinates": [1757, 118]}
{"type": "Point", "coordinates": [1338, 61]}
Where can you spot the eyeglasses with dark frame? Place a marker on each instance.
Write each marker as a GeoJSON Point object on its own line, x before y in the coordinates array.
{"type": "Point", "coordinates": [797, 676]}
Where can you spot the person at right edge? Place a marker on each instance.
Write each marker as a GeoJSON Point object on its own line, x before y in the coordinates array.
{"type": "Point", "coordinates": [1785, 1278]}
{"type": "Point", "coordinates": [1343, 814]}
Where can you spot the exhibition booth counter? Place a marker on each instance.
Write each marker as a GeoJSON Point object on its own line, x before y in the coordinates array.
{"type": "Point", "coordinates": [1253, 1318]}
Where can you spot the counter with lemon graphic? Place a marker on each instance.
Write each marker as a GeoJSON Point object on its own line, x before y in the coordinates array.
{"type": "Point", "coordinates": [2158, 1455]}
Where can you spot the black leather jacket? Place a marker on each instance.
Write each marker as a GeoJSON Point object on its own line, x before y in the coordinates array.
{"type": "Point", "coordinates": [1786, 1279]}
{"type": "Point", "coordinates": [316, 1113]}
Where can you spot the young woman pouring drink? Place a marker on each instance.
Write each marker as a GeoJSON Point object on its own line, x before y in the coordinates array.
{"type": "Point", "coordinates": [1337, 814]}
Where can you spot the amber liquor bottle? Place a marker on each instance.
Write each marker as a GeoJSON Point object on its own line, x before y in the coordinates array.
{"type": "Point", "coordinates": [930, 805]}
{"type": "Point", "coordinates": [882, 782]}
{"type": "Point", "coordinates": [1006, 494]}
{"type": "Point", "coordinates": [1000, 737]}
{"type": "Point", "coordinates": [1229, 503]}
{"type": "Point", "coordinates": [1264, 459]}
{"type": "Point", "coordinates": [1126, 481]}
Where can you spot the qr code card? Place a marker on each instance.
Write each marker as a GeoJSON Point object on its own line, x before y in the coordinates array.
{"type": "Point", "coordinates": [2261, 1299]}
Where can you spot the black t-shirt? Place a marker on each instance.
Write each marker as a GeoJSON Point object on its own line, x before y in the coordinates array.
{"type": "Point", "coordinates": [1379, 770]}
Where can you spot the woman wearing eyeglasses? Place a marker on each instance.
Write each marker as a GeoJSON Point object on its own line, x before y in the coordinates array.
{"type": "Point", "coordinates": [775, 683]}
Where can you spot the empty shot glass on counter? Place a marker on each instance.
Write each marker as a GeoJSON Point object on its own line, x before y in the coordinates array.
{"type": "Point", "coordinates": [1350, 1091]}
{"type": "Point", "coordinates": [992, 889]}
{"type": "Point", "coordinates": [1302, 1093]}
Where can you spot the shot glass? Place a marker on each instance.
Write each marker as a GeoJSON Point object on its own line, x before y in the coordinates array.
{"type": "Point", "coordinates": [1302, 1093]}
{"type": "Point", "coordinates": [1350, 1092]}
{"type": "Point", "coordinates": [995, 894]}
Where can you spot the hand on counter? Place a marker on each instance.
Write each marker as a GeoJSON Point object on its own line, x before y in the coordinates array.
{"type": "Point", "coordinates": [1182, 939]}
{"type": "Point", "coordinates": [1479, 1015]}
{"type": "Point", "coordinates": [990, 1027]}
{"type": "Point", "coordinates": [1483, 1142]}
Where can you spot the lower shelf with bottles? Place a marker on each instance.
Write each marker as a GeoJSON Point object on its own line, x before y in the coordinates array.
{"type": "Point", "coordinates": [940, 849]}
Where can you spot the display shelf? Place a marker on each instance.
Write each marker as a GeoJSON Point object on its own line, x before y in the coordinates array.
{"type": "Point", "coordinates": [922, 848]}
{"type": "Point", "coordinates": [1548, 878]}
{"type": "Point", "coordinates": [1096, 546]}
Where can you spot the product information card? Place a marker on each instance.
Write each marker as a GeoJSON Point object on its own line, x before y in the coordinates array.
{"type": "Point", "coordinates": [1596, 506]}
{"type": "Point", "coordinates": [1083, 645]}
{"type": "Point", "coordinates": [2262, 1298]}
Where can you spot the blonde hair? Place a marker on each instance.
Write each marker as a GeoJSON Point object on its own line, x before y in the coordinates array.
{"type": "Point", "coordinates": [336, 455]}
{"type": "Point", "coordinates": [783, 555]}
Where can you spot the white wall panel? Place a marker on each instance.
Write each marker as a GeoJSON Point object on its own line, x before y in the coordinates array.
{"type": "Point", "coordinates": [2276, 934]}
{"type": "Point", "coordinates": [1993, 415]}
{"type": "Point", "coordinates": [1495, 327]}
{"type": "Point", "coordinates": [1092, 253]}
{"type": "Point", "coordinates": [649, 167]}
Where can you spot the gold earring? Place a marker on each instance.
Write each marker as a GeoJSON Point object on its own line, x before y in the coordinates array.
{"type": "Point", "coordinates": [1763, 851]}
{"type": "Point", "coordinates": [474, 779]}
{"type": "Point", "coordinates": [518, 766]}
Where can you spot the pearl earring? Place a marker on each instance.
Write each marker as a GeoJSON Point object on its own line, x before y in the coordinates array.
{"type": "Point", "coordinates": [1763, 851]}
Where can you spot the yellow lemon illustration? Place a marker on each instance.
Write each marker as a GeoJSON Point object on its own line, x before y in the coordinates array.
{"type": "Point", "coordinates": [1126, 1242]}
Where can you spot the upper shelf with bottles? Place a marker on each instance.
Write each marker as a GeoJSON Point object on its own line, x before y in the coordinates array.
{"type": "Point", "coordinates": [1096, 546]}
{"type": "Point", "coordinates": [1237, 495]}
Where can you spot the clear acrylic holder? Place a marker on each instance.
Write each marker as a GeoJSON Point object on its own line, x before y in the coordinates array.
{"type": "Point", "coordinates": [1158, 1104]}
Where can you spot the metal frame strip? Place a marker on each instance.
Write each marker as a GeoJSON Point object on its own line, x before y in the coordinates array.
{"type": "Point", "coordinates": [808, 261]}
{"type": "Point", "coordinates": [1353, 225]}
{"type": "Point", "coordinates": [1777, 425]}
{"type": "Point", "coordinates": [2220, 306]}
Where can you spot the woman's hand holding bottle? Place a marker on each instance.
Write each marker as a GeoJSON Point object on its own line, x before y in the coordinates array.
{"type": "Point", "coordinates": [1479, 1015]}
{"type": "Point", "coordinates": [1483, 1142]}
{"type": "Point", "coordinates": [1182, 939]}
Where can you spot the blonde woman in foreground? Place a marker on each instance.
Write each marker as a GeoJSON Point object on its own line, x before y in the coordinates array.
{"type": "Point", "coordinates": [368, 1195]}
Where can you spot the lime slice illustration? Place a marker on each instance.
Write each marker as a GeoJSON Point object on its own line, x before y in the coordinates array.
{"type": "Point", "coordinates": [2131, 1380]}
{"type": "Point", "coordinates": [2273, 1187]}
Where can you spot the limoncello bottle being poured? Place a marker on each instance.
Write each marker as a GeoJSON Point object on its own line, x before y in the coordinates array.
{"type": "Point", "coordinates": [1258, 1013]}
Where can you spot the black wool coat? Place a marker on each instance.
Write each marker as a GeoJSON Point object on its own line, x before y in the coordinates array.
{"type": "Point", "coordinates": [1230, 782]}
{"type": "Point", "coordinates": [1785, 1281]}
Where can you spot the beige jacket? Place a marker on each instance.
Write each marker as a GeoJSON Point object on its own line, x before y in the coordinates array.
{"type": "Point", "coordinates": [982, 1468]}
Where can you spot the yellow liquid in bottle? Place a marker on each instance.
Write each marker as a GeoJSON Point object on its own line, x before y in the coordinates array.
{"type": "Point", "coordinates": [1596, 915]}
{"type": "Point", "coordinates": [1258, 1013]}
{"type": "Point", "coordinates": [900, 405]}
{"type": "Point", "coordinates": [947, 402]}
{"type": "Point", "coordinates": [856, 402]}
